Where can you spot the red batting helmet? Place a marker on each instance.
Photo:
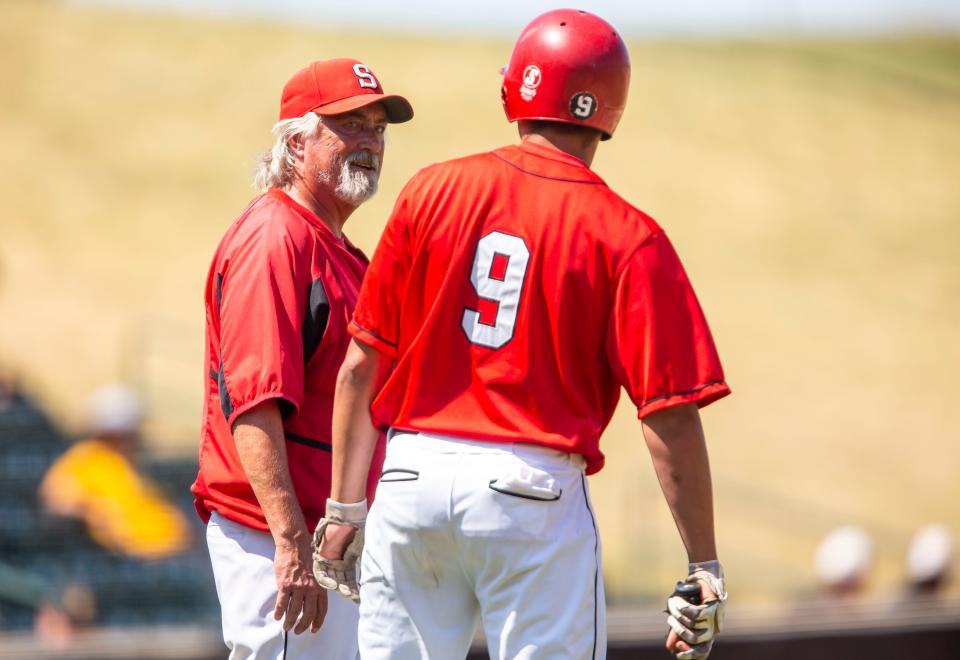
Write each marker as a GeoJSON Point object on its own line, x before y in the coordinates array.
{"type": "Point", "coordinates": [568, 66]}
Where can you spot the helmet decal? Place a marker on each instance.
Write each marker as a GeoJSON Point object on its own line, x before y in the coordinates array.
{"type": "Point", "coordinates": [531, 80]}
{"type": "Point", "coordinates": [583, 105]}
{"type": "Point", "coordinates": [531, 76]}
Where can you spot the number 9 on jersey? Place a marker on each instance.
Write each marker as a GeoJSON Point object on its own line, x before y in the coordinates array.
{"type": "Point", "coordinates": [497, 275]}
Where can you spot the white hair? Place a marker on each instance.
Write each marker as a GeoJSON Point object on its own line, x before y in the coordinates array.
{"type": "Point", "coordinates": [357, 187]}
{"type": "Point", "coordinates": [276, 166]}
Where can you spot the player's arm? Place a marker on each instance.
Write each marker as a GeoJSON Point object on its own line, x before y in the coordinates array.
{"type": "Point", "coordinates": [661, 347]}
{"type": "Point", "coordinates": [339, 536]}
{"type": "Point", "coordinates": [675, 440]}
{"type": "Point", "coordinates": [368, 362]}
{"type": "Point", "coordinates": [354, 436]}
{"type": "Point", "coordinates": [261, 446]}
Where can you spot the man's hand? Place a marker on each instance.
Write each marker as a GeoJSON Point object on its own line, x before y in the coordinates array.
{"type": "Point", "coordinates": [298, 591]}
{"type": "Point", "coordinates": [694, 626]}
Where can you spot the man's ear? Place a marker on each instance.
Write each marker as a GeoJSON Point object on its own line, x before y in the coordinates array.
{"type": "Point", "coordinates": [296, 146]}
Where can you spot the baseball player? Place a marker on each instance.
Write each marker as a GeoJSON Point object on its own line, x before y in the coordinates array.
{"type": "Point", "coordinates": [510, 298]}
{"type": "Point", "coordinates": [279, 295]}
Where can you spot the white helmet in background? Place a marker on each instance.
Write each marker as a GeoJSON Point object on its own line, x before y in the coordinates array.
{"type": "Point", "coordinates": [115, 409]}
{"type": "Point", "coordinates": [930, 555]}
{"type": "Point", "coordinates": [844, 558]}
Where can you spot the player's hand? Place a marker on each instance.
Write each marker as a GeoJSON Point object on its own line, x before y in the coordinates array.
{"type": "Point", "coordinates": [694, 626]}
{"type": "Point", "coordinates": [336, 539]}
{"type": "Point", "coordinates": [338, 544]}
{"type": "Point", "coordinates": [298, 595]}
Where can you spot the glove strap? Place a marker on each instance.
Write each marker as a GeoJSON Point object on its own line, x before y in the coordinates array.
{"type": "Point", "coordinates": [352, 514]}
{"type": "Point", "coordinates": [712, 572]}
{"type": "Point", "coordinates": [712, 567]}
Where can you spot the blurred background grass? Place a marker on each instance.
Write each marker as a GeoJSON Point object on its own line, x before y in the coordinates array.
{"type": "Point", "coordinates": [811, 187]}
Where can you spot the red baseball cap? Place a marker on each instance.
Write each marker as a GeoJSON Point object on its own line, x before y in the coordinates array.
{"type": "Point", "coordinates": [332, 87]}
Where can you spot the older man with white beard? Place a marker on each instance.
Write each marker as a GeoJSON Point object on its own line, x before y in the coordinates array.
{"type": "Point", "coordinates": [279, 295]}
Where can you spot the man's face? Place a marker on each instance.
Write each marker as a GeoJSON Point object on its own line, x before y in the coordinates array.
{"type": "Point", "coordinates": [346, 154]}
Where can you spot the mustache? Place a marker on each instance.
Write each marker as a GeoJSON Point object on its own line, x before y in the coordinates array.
{"type": "Point", "coordinates": [364, 159]}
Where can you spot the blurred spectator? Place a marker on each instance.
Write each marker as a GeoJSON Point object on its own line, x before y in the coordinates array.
{"type": "Point", "coordinates": [97, 481]}
{"type": "Point", "coordinates": [843, 560]}
{"type": "Point", "coordinates": [929, 560]}
{"type": "Point", "coordinates": [8, 393]}
{"type": "Point", "coordinates": [23, 587]}
{"type": "Point", "coordinates": [56, 622]}
{"type": "Point", "coordinates": [58, 615]}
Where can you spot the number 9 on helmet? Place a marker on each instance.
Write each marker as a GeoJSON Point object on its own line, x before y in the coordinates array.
{"type": "Point", "coordinates": [568, 66]}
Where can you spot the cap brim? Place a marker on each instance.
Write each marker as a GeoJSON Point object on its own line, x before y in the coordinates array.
{"type": "Point", "coordinates": [398, 109]}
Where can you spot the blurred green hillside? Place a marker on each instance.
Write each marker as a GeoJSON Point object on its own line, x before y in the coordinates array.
{"type": "Point", "coordinates": [812, 188]}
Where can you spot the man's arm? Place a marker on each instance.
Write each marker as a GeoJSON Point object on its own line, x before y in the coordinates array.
{"type": "Point", "coordinates": [261, 446]}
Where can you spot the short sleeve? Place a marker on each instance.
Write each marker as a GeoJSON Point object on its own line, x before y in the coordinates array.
{"type": "Point", "coordinates": [659, 344]}
{"type": "Point", "coordinates": [376, 319]}
{"type": "Point", "coordinates": [261, 311]}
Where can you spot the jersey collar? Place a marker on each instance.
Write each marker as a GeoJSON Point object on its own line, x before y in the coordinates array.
{"type": "Point", "coordinates": [301, 210]}
{"type": "Point", "coordinates": [308, 215]}
{"type": "Point", "coordinates": [547, 162]}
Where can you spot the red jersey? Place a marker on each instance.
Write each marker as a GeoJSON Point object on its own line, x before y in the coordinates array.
{"type": "Point", "coordinates": [279, 296]}
{"type": "Point", "coordinates": [517, 294]}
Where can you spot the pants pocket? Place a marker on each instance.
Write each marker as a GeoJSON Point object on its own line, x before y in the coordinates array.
{"type": "Point", "coordinates": [527, 482]}
{"type": "Point", "coordinates": [511, 500]}
{"type": "Point", "coordinates": [398, 474]}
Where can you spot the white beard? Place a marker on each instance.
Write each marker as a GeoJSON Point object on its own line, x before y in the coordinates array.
{"type": "Point", "coordinates": [354, 186]}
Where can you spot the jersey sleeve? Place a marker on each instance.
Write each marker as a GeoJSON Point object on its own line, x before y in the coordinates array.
{"type": "Point", "coordinates": [659, 344]}
{"type": "Point", "coordinates": [376, 319]}
{"type": "Point", "coordinates": [261, 311]}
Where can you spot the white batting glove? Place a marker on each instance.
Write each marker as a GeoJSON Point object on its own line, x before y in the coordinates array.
{"type": "Point", "coordinates": [340, 575]}
{"type": "Point", "coordinates": [698, 625]}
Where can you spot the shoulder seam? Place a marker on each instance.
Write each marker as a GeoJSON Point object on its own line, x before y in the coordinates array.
{"type": "Point", "coordinates": [543, 176]}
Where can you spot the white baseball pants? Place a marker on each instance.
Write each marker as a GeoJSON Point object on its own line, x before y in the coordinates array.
{"type": "Point", "coordinates": [463, 532]}
{"type": "Point", "coordinates": [242, 561]}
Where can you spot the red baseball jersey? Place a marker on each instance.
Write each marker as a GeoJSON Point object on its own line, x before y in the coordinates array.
{"type": "Point", "coordinates": [279, 296]}
{"type": "Point", "coordinates": [517, 294]}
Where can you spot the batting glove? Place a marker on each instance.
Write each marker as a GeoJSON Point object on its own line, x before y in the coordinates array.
{"type": "Point", "coordinates": [340, 575]}
{"type": "Point", "coordinates": [699, 624]}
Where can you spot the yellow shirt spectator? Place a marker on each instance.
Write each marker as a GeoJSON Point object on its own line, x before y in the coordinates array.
{"type": "Point", "coordinates": [124, 511]}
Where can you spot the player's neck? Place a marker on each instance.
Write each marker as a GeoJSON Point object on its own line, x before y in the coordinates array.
{"type": "Point", "coordinates": [578, 143]}
{"type": "Point", "coordinates": [331, 210]}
